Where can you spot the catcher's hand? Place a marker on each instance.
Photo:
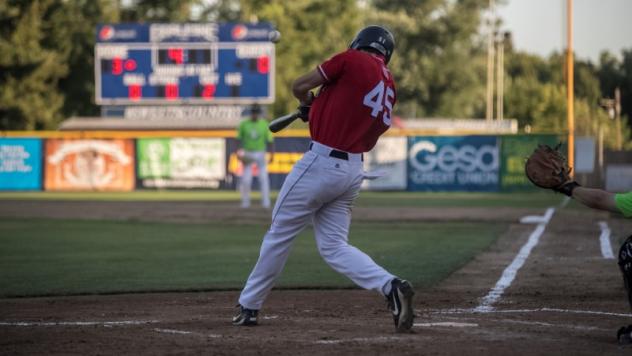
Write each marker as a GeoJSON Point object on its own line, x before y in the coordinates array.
{"type": "Point", "coordinates": [547, 168]}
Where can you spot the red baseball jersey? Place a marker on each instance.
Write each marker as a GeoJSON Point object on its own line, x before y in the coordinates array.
{"type": "Point", "coordinates": [353, 108]}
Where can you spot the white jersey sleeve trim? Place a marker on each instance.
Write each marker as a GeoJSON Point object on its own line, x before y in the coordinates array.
{"type": "Point", "coordinates": [322, 72]}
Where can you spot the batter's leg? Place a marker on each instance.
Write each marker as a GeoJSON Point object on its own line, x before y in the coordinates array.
{"type": "Point", "coordinates": [331, 226]}
{"type": "Point", "coordinates": [291, 213]}
{"type": "Point", "coordinates": [246, 182]}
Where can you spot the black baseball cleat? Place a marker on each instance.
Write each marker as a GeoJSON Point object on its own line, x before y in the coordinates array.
{"type": "Point", "coordinates": [624, 335]}
{"type": "Point", "coordinates": [245, 317]}
{"type": "Point", "coordinates": [400, 303]}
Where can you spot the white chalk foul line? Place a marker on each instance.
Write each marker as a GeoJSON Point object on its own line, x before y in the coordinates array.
{"type": "Point", "coordinates": [76, 323]}
{"type": "Point", "coordinates": [173, 331]}
{"type": "Point", "coordinates": [185, 332]}
{"type": "Point", "coordinates": [447, 324]}
{"type": "Point", "coordinates": [509, 274]}
{"type": "Point", "coordinates": [527, 322]}
{"type": "Point", "coordinates": [525, 311]}
{"type": "Point", "coordinates": [360, 339]}
{"type": "Point", "coordinates": [604, 241]}
{"type": "Point", "coordinates": [550, 325]}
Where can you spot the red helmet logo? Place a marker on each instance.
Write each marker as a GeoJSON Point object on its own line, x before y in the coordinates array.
{"type": "Point", "coordinates": [239, 32]}
{"type": "Point", "coordinates": [106, 33]}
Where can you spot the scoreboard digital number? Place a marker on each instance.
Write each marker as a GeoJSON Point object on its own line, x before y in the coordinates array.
{"type": "Point", "coordinates": [184, 63]}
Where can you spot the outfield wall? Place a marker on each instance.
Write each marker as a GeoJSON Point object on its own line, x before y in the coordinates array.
{"type": "Point", "coordinates": [125, 161]}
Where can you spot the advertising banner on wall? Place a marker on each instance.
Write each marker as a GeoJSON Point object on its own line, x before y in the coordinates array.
{"type": "Point", "coordinates": [288, 150]}
{"type": "Point", "coordinates": [514, 152]}
{"type": "Point", "coordinates": [458, 163]}
{"type": "Point", "coordinates": [585, 152]}
{"type": "Point", "coordinates": [181, 162]}
{"type": "Point", "coordinates": [20, 164]}
{"type": "Point", "coordinates": [389, 155]}
{"type": "Point", "coordinates": [89, 165]}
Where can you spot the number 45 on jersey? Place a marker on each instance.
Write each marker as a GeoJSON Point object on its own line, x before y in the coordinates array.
{"type": "Point", "coordinates": [379, 99]}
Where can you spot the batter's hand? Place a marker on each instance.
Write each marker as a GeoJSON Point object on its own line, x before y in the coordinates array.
{"type": "Point", "coordinates": [305, 106]}
{"type": "Point", "coordinates": [303, 112]}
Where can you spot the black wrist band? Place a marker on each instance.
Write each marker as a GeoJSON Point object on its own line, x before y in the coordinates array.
{"type": "Point", "coordinates": [567, 189]}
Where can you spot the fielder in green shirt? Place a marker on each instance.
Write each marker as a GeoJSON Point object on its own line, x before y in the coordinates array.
{"type": "Point", "coordinates": [254, 135]}
{"type": "Point", "coordinates": [255, 140]}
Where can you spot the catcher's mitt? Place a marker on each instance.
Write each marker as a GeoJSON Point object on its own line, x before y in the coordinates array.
{"type": "Point", "coordinates": [547, 168]}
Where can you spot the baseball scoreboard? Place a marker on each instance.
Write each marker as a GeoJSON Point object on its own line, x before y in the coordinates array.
{"type": "Point", "coordinates": [194, 63]}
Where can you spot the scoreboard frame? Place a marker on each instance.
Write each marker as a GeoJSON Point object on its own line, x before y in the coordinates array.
{"type": "Point", "coordinates": [221, 44]}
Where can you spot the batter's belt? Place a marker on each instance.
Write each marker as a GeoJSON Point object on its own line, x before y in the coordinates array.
{"type": "Point", "coordinates": [332, 152]}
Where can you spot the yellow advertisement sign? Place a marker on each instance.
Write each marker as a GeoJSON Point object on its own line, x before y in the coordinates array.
{"type": "Point", "coordinates": [282, 163]}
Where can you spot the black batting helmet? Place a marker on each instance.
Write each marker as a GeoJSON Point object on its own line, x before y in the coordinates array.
{"type": "Point", "coordinates": [255, 109]}
{"type": "Point", "coordinates": [376, 37]}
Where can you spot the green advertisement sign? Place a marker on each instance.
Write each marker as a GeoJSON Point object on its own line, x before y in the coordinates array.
{"type": "Point", "coordinates": [181, 162]}
{"type": "Point", "coordinates": [154, 158]}
{"type": "Point", "coordinates": [514, 152]}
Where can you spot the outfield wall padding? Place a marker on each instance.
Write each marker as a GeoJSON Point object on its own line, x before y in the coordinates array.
{"type": "Point", "coordinates": [107, 161]}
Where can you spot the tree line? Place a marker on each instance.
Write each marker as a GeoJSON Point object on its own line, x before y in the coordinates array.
{"type": "Point", "coordinates": [47, 61]}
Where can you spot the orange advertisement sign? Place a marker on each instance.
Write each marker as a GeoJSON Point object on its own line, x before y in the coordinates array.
{"type": "Point", "coordinates": [89, 165]}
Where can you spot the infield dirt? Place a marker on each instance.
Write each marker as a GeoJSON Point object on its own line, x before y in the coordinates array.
{"type": "Point", "coordinates": [566, 299]}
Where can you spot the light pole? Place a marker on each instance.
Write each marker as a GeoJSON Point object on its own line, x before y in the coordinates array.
{"type": "Point", "coordinates": [500, 75]}
{"type": "Point", "coordinates": [489, 98]}
{"type": "Point", "coordinates": [570, 114]}
{"type": "Point", "coordinates": [617, 113]}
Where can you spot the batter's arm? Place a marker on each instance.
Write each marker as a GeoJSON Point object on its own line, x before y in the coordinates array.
{"type": "Point", "coordinates": [304, 84]}
{"type": "Point", "coordinates": [596, 199]}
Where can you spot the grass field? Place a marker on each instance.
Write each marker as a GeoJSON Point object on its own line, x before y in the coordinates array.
{"type": "Point", "coordinates": [59, 257]}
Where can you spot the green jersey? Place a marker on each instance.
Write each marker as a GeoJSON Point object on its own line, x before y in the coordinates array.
{"type": "Point", "coordinates": [624, 203]}
{"type": "Point", "coordinates": [254, 135]}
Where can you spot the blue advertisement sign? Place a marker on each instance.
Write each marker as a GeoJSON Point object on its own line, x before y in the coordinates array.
{"type": "Point", "coordinates": [20, 164]}
{"type": "Point", "coordinates": [459, 163]}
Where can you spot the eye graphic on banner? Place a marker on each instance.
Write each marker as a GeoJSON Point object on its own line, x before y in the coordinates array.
{"type": "Point", "coordinates": [89, 165]}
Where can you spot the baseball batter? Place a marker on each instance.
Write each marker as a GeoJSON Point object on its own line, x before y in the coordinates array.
{"type": "Point", "coordinates": [352, 109]}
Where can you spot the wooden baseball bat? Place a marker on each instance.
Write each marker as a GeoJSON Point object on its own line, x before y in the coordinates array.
{"type": "Point", "coordinates": [282, 122]}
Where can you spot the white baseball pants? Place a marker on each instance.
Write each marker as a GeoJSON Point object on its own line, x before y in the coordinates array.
{"type": "Point", "coordinates": [258, 157]}
{"type": "Point", "coordinates": [320, 188]}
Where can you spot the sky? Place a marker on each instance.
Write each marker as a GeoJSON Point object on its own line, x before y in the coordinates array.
{"type": "Point", "coordinates": [539, 26]}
